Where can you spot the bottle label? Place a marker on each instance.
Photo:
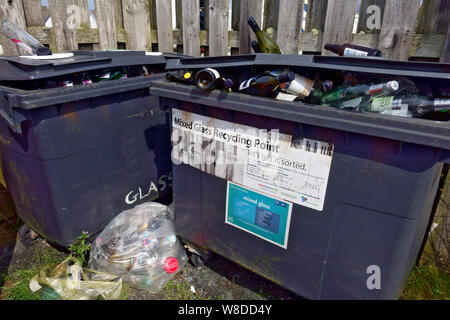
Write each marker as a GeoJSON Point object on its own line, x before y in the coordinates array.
{"type": "Point", "coordinates": [376, 88]}
{"type": "Point", "coordinates": [244, 85]}
{"type": "Point", "coordinates": [383, 103]}
{"type": "Point", "coordinates": [285, 97]}
{"type": "Point", "coordinates": [214, 72]}
{"type": "Point", "coordinates": [348, 52]}
{"type": "Point", "coordinates": [441, 104]}
{"type": "Point", "coordinates": [300, 86]}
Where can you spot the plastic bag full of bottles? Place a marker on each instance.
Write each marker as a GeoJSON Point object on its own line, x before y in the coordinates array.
{"type": "Point", "coordinates": [141, 246]}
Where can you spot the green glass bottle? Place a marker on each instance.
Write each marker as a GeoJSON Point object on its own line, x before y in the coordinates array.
{"type": "Point", "coordinates": [347, 93]}
{"type": "Point", "coordinates": [265, 44]}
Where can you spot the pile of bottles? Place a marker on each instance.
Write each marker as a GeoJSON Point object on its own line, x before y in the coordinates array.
{"type": "Point", "coordinates": [354, 91]}
{"type": "Point", "coordinates": [87, 78]}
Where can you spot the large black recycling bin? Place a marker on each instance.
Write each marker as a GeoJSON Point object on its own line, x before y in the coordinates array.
{"type": "Point", "coordinates": [351, 225]}
{"type": "Point", "coordinates": [74, 157]}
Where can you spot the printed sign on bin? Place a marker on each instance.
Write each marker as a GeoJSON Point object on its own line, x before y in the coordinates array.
{"type": "Point", "coordinates": [263, 216]}
{"type": "Point", "coordinates": [276, 164]}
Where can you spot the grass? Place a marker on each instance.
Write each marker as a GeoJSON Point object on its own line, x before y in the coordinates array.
{"type": "Point", "coordinates": [16, 284]}
{"type": "Point", "coordinates": [427, 283]}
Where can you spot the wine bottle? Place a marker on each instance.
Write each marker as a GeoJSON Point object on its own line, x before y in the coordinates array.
{"type": "Point", "coordinates": [347, 93]}
{"type": "Point", "coordinates": [415, 105]}
{"type": "Point", "coordinates": [265, 44]}
{"type": "Point", "coordinates": [209, 79]}
{"type": "Point", "coordinates": [181, 76]}
{"type": "Point", "coordinates": [352, 50]}
{"type": "Point", "coordinates": [255, 47]}
{"type": "Point", "coordinates": [266, 84]}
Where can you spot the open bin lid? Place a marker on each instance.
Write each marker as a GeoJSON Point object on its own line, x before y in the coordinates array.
{"type": "Point", "coordinates": [15, 68]}
{"type": "Point", "coordinates": [354, 64]}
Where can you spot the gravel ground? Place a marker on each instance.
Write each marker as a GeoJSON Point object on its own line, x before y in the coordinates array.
{"type": "Point", "coordinates": [219, 279]}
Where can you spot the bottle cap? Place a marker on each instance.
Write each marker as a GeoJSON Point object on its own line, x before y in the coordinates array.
{"type": "Point", "coordinates": [171, 265]}
{"type": "Point", "coordinates": [187, 75]}
{"type": "Point", "coordinates": [228, 83]}
{"type": "Point", "coordinates": [393, 85]}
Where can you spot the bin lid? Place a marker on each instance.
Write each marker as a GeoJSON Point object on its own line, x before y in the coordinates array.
{"type": "Point", "coordinates": [355, 64]}
{"type": "Point", "coordinates": [16, 68]}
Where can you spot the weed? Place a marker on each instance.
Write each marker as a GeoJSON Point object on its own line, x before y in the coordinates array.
{"type": "Point", "coordinates": [80, 248]}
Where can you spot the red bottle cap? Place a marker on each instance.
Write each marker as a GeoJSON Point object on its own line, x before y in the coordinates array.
{"type": "Point", "coordinates": [171, 265]}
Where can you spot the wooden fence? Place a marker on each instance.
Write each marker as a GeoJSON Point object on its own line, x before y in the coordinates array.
{"type": "Point", "coordinates": [402, 29]}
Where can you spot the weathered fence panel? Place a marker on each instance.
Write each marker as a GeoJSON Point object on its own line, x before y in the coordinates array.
{"type": "Point", "coordinates": [402, 29]}
{"type": "Point", "coordinates": [106, 24]}
{"type": "Point", "coordinates": [339, 22]}
{"type": "Point", "coordinates": [218, 27]}
{"type": "Point", "coordinates": [399, 22]}
{"type": "Point", "coordinates": [164, 25]}
{"type": "Point", "coordinates": [289, 25]}
{"type": "Point", "coordinates": [191, 27]}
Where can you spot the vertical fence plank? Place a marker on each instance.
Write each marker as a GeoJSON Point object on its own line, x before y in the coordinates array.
{"type": "Point", "coordinates": [206, 14]}
{"type": "Point", "coordinates": [218, 27]}
{"type": "Point", "coordinates": [15, 13]}
{"type": "Point", "coordinates": [445, 57]}
{"type": "Point", "coordinates": [339, 22]}
{"type": "Point", "coordinates": [434, 17]}
{"type": "Point", "coordinates": [315, 18]}
{"type": "Point", "coordinates": [64, 37]}
{"type": "Point", "coordinates": [164, 25]}
{"type": "Point", "coordinates": [399, 21]}
{"type": "Point", "coordinates": [136, 21]}
{"type": "Point", "coordinates": [289, 25]}
{"type": "Point", "coordinates": [85, 21]}
{"type": "Point", "coordinates": [118, 14]}
{"type": "Point", "coordinates": [249, 8]}
{"type": "Point", "coordinates": [106, 24]}
{"type": "Point", "coordinates": [33, 13]}
{"type": "Point", "coordinates": [370, 17]}
{"type": "Point", "coordinates": [191, 27]}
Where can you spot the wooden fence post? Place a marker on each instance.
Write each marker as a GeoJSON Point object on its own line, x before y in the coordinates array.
{"type": "Point", "coordinates": [164, 23]}
{"type": "Point", "coordinates": [14, 12]}
{"type": "Point", "coordinates": [289, 25]}
{"type": "Point", "coordinates": [249, 8]}
{"type": "Point", "coordinates": [106, 24]}
{"type": "Point", "coordinates": [339, 22]}
{"type": "Point", "coordinates": [33, 13]}
{"type": "Point", "coordinates": [218, 27]}
{"type": "Point", "coordinates": [399, 22]}
{"type": "Point", "coordinates": [64, 34]}
{"type": "Point", "coordinates": [191, 27]}
{"type": "Point", "coordinates": [136, 21]}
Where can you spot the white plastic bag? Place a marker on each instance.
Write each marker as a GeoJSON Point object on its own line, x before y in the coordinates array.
{"type": "Point", "coordinates": [140, 245]}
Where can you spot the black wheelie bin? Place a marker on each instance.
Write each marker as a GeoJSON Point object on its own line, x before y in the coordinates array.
{"type": "Point", "coordinates": [82, 139]}
{"type": "Point", "coordinates": [328, 203]}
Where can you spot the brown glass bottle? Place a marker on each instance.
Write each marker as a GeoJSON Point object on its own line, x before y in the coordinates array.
{"type": "Point", "coordinates": [352, 50]}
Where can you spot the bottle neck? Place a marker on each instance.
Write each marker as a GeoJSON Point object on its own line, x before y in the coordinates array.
{"type": "Point", "coordinates": [332, 47]}
{"type": "Point", "coordinates": [286, 77]}
{"type": "Point", "coordinates": [253, 24]}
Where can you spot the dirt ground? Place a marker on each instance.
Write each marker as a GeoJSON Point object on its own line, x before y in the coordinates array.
{"type": "Point", "coordinates": [219, 279]}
